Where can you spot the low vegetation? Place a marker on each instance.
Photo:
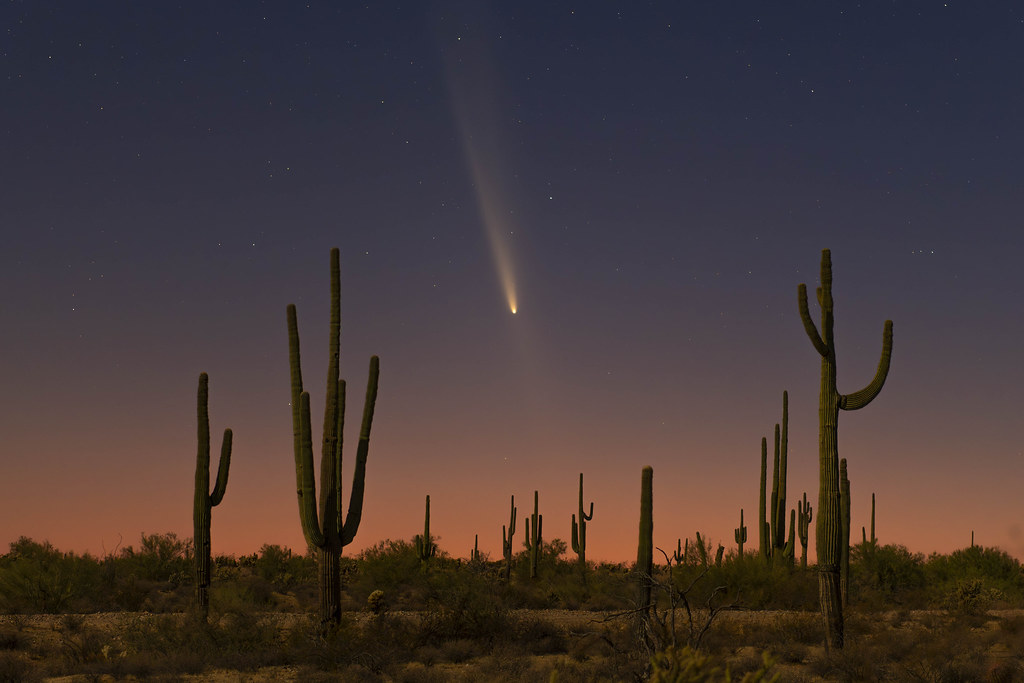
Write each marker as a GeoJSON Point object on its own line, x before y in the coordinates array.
{"type": "Point", "coordinates": [131, 614]}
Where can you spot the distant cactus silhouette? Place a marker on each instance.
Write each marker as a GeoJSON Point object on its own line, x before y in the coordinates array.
{"type": "Point", "coordinates": [827, 530]}
{"type": "Point", "coordinates": [778, 521]}
{"type": "Point", "coordinates": [425, 546]}
{"type": "Point", "coordinates": [579, 529]}
{"type": "Point", "coordinates": [740, 534]}
{"type": "Point", "coordinates": [475, 556]}
{"type": "Point", "coordinates": [870, 543]}
{"type": "Point", "coordinates": [803, 521]}
{"type": "Point", "coordinates": [506, 540]}
{"type": "Point", "coordinates": [764, 548]}
{"type": "Point", "coordinates": [679, 554]}
{"type": "Point", "coordinates": [844, 531]}
{"type": "Point", "coordinates": [534, 537]}
{"type": "Point", "coordinates": [645, 553]}
{"type": "Point", "coordinates": [204, 499]}
{"type": "Point", "coordinates": [326, 532]}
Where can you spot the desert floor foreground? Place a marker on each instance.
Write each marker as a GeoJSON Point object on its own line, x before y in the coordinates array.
{"type": "Point", "coordinates": [895, 645]}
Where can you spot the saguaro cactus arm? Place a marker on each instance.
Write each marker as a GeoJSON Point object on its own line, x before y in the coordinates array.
{"type": "Point", "coordinates": [859, 399]}
{"type": "Point", "coordinates": [355, 504]}
{"type": "Point", "coordinates": [809, 327]}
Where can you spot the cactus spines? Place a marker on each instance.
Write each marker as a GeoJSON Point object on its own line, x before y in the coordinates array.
{"type": "Point", "coordinates": [327, 532]}
{"type": "Point", "coordinates": [579, 529]}
{"type": "Point", "coordinates": [506, 539]}
{"type": "Point", "coordinates": [827, 529]}
{"type": "Point", "coordinates": [645, 551]}
{"type": "Point", "coordinates": [534, 536]}
{"type": "Point", "coordinates": [844, 526]}
{"type": "Point", "coordinates": [762, 523]}
{"type": "Point", "coordinates": [425, 546]}
{"type": "Point", "coordinates": [740, 533]}
{"type": "Point", "coordinates": [803, 521]}
{"type": "Point", "coordinates": [204, 499]}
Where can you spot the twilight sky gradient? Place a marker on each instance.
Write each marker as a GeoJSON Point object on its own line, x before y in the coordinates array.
{"type": "Point", "coordinates": [648, 183]}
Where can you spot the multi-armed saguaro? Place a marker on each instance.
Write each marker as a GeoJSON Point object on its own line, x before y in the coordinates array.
{"type": "Point", "coordinates": [204, 500]}
{"type": "Point", "coordinates": [425, 546]}
{"type": "Point", "coordinates": [326, 532]}
{"type": "Point", "coordinates": [534, 538]}
{"type": "Point", "coordinates": [828, 536]}
{"type": "Point", "coordinates": [579, 530]}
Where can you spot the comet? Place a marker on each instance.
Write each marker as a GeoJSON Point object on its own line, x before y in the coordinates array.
{"type": "Point", "coordinates": [476, 105]}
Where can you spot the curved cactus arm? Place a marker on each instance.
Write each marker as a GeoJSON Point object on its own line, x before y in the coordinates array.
{"type": "Point", "coordinates": [809, 326]}
{"type": "Point", "coordinates": [575, 536]}
{"type": "Point", "coordinates": [222, 469]}
{"type": "Point", "coordinates": [355, 503]}
{"type": "Point", "coordinates": [307, 484]}
{"type": "Point", "coordinates": [859, 399]}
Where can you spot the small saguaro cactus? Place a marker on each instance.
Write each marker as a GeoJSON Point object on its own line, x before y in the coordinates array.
{"type": "Point", "coordinates": [326, 532]}
{"type": "Point", "coordinates": [740, 533]}
{"type": "Point", "coordinates": [645, 554]}
{"type": "Point", "coordinates": [679, 554]}
{"type": "Point", "coordinates": [828, 532]}
{"type": "Point", "coordinates": [474, 556]}
{"type": "Point", "coordinates": [425, 546]}
{"type": "Point", "coordinates": [702, 550]}
{"type": "Point", "coordinates": [872, 542]}
{"type": "Point", "coordinates": [718, 555]}
{"type": "Point", "coordinates": [579, 529]}
{"type": "Point", "coordinates": [534, 538]}
{"type": "Point", "coordinates": [803, 521]}
{"type": "Point", "coordinates": [506, 539]}
{"type": "Point", "coordinates": [204, 499]}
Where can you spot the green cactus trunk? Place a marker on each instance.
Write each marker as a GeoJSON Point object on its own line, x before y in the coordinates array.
{"type": "Point", "coordinates": [579, 530]}
{"type": "Point", "coordinates": [534, 536]}
{"type": "Point", "coordinates": [645, 554]}
{"type": "Point", "coordinates": [779, 476]}
{"type": "Point", "coordinates": [425, 546]}
{"type": "Point", "coordinates": [828, 532]}
{"type": "Point", "coordinates": [204, 499]}
{"type": "Point", "coordinates": [474, 556]}
{"type": "Point", "coordinates": [506, 540]}
{"type": "Point", "coordinates": [326, 531]}
{"type": "Point", "coordinates": [740, 534]}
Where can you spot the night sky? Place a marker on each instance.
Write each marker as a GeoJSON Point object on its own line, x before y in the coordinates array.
{"type": "Point", "coordinates": [646, 184]}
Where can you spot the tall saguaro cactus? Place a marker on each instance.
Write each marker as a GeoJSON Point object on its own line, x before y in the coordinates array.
{"type": "Point", "coordinates": [779, 481]}
{"type": "Point", "coordinates": [870, 543]}
{"type": "Point", "coordinates": [803, 521]}
{"type": "Point", "coordinates": [425, 546]}
{"type": "Point", "coordinates": [764, 549]}
{"type": "Point", "coordinates": [534, 537]}
{"type": "Point", "coordinates": [844, 530]}
{"type": "Point", "coordinates": [645, 553]}
{"type": "Point", "coordinates": [828, 536]}
{"type": "Point", "coordinates": [579, 530]}
{"type": "Point", "coordinates": [740, 534]}
{"type": "Point", "coordinates": [204, 499]}
{"type": "Point", "coordinates": [506, 540]}
{"type": "Point", "coordinates": [327, 532]}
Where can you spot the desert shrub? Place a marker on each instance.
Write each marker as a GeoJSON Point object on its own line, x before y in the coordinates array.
{"type": "Point", "coordinates": [38, 578]}
{"type": "Point", "coordinates": [676, 665]}
{"type": "Point", "coordinates": [997, 569]}
{"type": "Point", "coordinates": [283, 569]}
{"type": "Point", "coordinates": [886, 574]}
{"type": "Point", "coordinates": [16, 668]}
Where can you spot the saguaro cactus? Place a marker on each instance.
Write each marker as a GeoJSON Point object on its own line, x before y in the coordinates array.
{"type": "Point", "coordinates": [204, 499]}
{"type": "Point", "coordinates": [534, 537]}
{"type": "Point", "coordinates": [764, 549]}
{"type": "Point", "coordinates": [645, 553]}
{"type": "Point", "coordinates": [844, 530]}
{"type": "Point", "coordinates": [779, 480]}
{"type": "Point", "coordinates": [803, 521]}
{"type": "Point", "coordinates": [579, 530]}
{"type": "Point", "coordinates": [872, 542]}
{"type": "Point", "coordinates": [740, 533]}
{"type": "Point", "coordinates": [474, 556]}
{"type": "Point", "coordinates": [828, 537]}
{"type": "Point", "coordinates": [425, 546]}
{"type": "Point", "coordinates": [506, 540]}
{"type": "Point", "coordinates": [326, 532]}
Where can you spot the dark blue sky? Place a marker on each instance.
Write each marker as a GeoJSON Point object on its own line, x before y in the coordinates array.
{"type": "Point", "coordinates": [656, 179]}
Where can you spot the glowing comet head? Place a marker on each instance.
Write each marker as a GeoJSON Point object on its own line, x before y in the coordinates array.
{"type": "Point", "coordinates": [513, 307]}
